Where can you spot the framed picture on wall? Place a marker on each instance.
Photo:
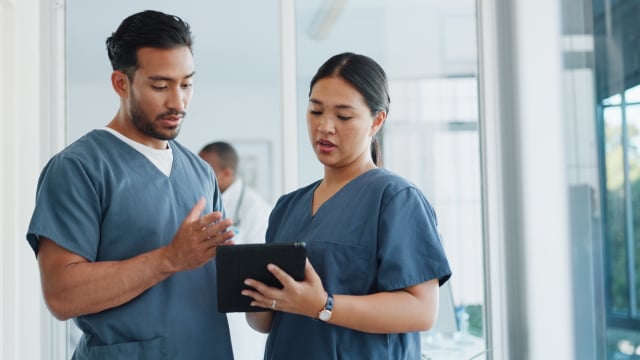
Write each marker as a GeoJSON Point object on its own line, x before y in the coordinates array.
{"type": "Point", "coordinates": [255, 164]}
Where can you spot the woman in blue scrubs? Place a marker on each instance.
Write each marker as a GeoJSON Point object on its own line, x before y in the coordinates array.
{"type": "Point", "coordinates": [375, 260]}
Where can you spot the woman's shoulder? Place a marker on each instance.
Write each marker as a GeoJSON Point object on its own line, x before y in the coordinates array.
{"type": "Point", "coordinates": [295, 199]}
{"type": "Point", "coordinates": [388, 180]}
{"type": "Point", "coordinates": [393, 187]}
{"type": "Point", "coordinates": [298, 193]}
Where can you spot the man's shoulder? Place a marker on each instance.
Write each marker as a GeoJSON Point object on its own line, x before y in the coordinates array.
{"type": "Point", "coordinates": [88, 146]}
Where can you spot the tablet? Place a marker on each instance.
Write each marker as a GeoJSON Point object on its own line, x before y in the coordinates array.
{"type": "Point", "coordinates": [235, 263]}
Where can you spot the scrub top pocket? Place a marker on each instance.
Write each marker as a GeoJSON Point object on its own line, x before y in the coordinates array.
{"type": "Point", "coordinates": [140, 350]}
{"type": "Point", "coordinates": [344, 268]}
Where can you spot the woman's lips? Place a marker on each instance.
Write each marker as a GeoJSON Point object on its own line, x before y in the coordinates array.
{"type": "Point", "coordinates": [325, 145]}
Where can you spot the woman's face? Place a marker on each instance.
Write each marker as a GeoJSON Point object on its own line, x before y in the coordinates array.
{"type": "Point", "coordinates": [340, 123]}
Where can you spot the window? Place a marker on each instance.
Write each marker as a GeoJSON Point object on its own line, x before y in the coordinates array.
{"type": "Point", "coordinates": [621, 172]}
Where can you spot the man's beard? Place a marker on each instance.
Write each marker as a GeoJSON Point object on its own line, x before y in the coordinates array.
{"type": "Point", "coordinates": [145, 125]}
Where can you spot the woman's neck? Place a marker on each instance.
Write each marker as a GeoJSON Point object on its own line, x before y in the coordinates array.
{"type": "Point", "coordinates": [338, 177]}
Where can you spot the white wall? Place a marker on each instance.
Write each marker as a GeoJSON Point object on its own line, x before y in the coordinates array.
{"type": "Point", "coordinates": [32, 131]}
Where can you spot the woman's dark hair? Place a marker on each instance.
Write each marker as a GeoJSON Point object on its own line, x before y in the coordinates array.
{"type": "Point", "coordinates": [367, 77]}
{"type": "Point", "coordinates": [145, 29]}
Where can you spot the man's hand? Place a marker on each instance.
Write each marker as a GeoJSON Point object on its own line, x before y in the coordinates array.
{"type": "Point", "coordinates": [196, 240]}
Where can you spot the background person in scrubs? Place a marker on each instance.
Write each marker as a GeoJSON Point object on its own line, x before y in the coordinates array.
{"type": "Point", "coordinates": [375, 260]}
{"type": "Point", "coordinates": [127, 220]}
{"type": "Point", "coordinates": [250, 214]}
{"type": "Point", "coordinates": [243, 204]}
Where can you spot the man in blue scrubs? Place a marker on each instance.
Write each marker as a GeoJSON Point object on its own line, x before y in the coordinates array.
{"type": "Point", "coordinates": [127, 220]}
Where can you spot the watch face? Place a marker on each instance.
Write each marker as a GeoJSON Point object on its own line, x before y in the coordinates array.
{"type": "Point", "coordinates": [324, 315]}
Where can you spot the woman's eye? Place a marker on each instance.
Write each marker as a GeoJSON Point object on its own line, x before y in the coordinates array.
{"type": "Point", "coordinates": [344, 118]}
{"type": "Point", "coordinates": [157, 87]}
{"type": "Point", "coordinates": [313, 112]}
{"type": "Point", "coordinates": [185, 86]}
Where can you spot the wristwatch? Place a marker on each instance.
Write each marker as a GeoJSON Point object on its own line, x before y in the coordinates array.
{"type": "Point", "coordinates": [325, 314]}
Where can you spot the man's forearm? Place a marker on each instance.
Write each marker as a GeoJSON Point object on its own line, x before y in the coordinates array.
{"type": "Point", "coordinates": [89, 287]}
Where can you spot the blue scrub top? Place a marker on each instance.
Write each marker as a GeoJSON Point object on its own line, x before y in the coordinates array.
{"type": "Point", "coordinates": [378, 233]}
{"type": "Point", "coordinates": [104, 200]}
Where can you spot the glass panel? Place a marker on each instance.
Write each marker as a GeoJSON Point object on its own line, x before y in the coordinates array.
{"type": "Point", "coordinates": [614, 68]}
{"type": "Point", "coordinates": [633, 245]}
{"type": "Point", "coordinates": [617, 72]}
{"type": "Point", "coordinates": [616, 224]}
{"type": "Point", "coordinates": [431, 134]}
{"type": "Point", "coordinates": [632, 95]}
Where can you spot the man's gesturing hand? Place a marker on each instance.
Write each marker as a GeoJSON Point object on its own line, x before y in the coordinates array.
{"type": "Point", "coordinates": [196, 240]}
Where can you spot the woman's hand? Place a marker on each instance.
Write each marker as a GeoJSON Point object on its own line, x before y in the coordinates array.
{"type": "Point", "coordinates": [410, 309]}
{"type": "Point", "coordinates": [305, 297]}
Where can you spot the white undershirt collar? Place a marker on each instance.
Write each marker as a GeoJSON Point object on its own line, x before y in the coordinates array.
{"type": "Point", "coordinates": [162, 159]}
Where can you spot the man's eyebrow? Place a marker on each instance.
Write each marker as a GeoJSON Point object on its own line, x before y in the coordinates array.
{"type": "Point", "coordinates": [166, 78]}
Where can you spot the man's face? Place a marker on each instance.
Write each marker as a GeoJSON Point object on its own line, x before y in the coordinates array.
{"type": "Point", "coordinates": [160, 93]}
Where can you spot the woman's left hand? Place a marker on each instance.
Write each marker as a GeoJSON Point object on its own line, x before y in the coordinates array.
{"type": "Point", "coordinates": [305, 297]}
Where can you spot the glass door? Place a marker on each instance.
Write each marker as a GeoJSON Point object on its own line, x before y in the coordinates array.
{"type": "Point", "coordinates": [428, 49]}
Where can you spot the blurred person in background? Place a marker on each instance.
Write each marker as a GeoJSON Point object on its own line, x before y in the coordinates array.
{"type": "Point", "coordinates": [250, 215]}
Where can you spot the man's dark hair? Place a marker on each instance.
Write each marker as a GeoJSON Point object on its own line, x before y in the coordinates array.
{"type": "Point", "coordinates": [226, 153]}
{"type": "Point", "coordinates": [145, 29]}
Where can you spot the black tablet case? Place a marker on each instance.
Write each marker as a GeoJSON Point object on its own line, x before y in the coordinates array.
{"type": "Point", "coordinates": [235, 263]}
